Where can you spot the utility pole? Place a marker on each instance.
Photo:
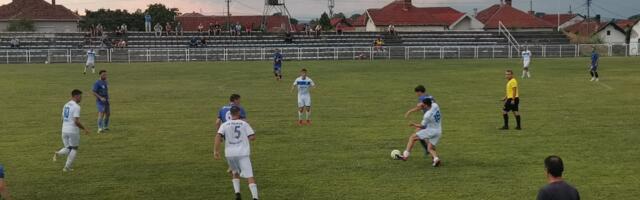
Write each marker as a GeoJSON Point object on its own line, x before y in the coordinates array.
{"type": "Point", "coordinates": [332, 4]}
{"type": "Point", "coordinates": [228, 15]}
{"type": "Point", "coordinates": [588, 17]}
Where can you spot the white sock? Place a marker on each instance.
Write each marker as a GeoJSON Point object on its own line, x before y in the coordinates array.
{"type": "Point", "coordinates": [63, 151]}
{"type": "Point", "coordinates": [529, 74]}
{"type": "Point", "coordinates": [85, 69]}
{"type": "Point", "coordinates": [406, 154]}
{"type": "Point", "coordinates": [236, 185]}
{"type": "Point", "coordinates": [70, 158]}
{"type": "Point", "coordinates": [436, 159]}
{"type": "Point", "coordinates": [308, 115]}
{"type": "Point", "coordinates": [524, 73]}
{"type": "Point", "coordinates": [93, 70]}
{"type": "Point", "coordinates": [299, 115]}
{"type": "Point", "coordinates": [254, 190]}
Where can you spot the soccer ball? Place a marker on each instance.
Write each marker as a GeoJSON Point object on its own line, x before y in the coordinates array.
{"type": "Point", "coordinates": [395, 153]}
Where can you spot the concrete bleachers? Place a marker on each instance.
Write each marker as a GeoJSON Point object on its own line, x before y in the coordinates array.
{"type": "Point", "coordinates": [142, 40]}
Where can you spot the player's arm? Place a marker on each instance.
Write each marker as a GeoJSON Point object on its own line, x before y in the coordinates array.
{"type": "Point", "coordinates": [216, 146]}
{"type": "Point", "coordinates": [252, 137]}
{"type": "Point", "coordinates": [76, 120]}
{"type": "Point", "coordinates": [412, 110]}
{"type": "Point", "coordinates": [94, 92]}
{"type": "Point", "coordinates": [218, 123]}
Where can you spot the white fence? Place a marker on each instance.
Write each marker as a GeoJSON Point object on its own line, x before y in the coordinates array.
{"type": "Point", "coordinates": [20, 56]}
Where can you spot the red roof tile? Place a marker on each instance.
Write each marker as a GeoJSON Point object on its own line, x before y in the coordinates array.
{"type": "Point", "coordinates": [626, 23]}
{"type": "Point", "coordinates": [585, 29]}
{"type": "Point", "coordinates": [360, 21]}
{"type": "Point", "coordinates": [510, 17]}
{"type": "Point", "coordinates": [191, 23]}
{"type": "Point", "coordinates": [401, 12]}
{"type": "Point", "coordinates": [37, 10]}
{"type": "Point", "coordinates": [553, 18]}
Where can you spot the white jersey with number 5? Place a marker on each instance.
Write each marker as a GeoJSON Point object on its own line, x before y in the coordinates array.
{"type": "Point", "coordinates": [236, 138]}
{"type": "Point", "coordinates": [70, 112]}
{"type": "Point", "coordinates": [303, 85]}
{"type": "Point", "coordinates": [432, 119]}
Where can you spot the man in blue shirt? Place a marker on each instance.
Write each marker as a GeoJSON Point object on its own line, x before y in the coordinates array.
{"type": "Point", "coordinates": [4, 192]}
{"type": "Point", "coordinates": [595, 60]}
{"type": "Point", "coordinates": [224, 114]}
{"type": "Point", "coordinates": [147, 22]}
{"type": "Point", "coordinates": [101, 92]}
{"type": "Point", "coordinates": [277, 64]}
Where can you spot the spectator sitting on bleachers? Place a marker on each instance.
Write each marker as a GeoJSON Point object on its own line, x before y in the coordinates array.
{"type": "Point", "coordinates": [124, 29]}
{"type": "Point", "coordinates": [288, 38]}
{"type": "Point", "coordinates": [238, 29]}
{"type": "Point", "coordinates": [158, 29]}
{"type": "Point", "coordinates": [120, 43]}
{"type": "Point", "coordinates": [99, 30]}
{"type": "Point", "coordinates": [178, 29]}
{"type": "Point", "coordinates": [210, 30]}
{"type": "Point", "coordinates": [377, 44]}
{"type": "Point", "coordinates": [392, 29]}
{"type": "Point", "coordinates": [200, 28]}
{"type": "Point", "coordinates": [168, 28]}
{"type": "Point", "coordinates": [15, 43]}
{"type": "Point", "coordinates": [307, 29]}
{"type": "Point", "coordinates": [318, 30]}
{"type": "Point", "coordinates": [217, 29]}
{"type": "Point", "coordinates": [105, 42]}
{"type": "Point", "coordinates": [203, 42]}
{"type": "Point", "coordinates": [193, 42]}
{"type": "Point", "coordinates": [249, 29]}
{"type": "Point", "coordinates": [118, 31]}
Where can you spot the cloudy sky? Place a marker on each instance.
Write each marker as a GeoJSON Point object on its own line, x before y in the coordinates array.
{"type": "Point", "coordinates": [308, 9]}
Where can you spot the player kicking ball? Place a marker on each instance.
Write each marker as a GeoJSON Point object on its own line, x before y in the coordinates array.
{"type": "Point", "coordinates": [91, 62]}
{"type": "Point", "coordinates": [304, 84]}
{"type": "Point", "coordinates": [422, 94]}
{"type": "Point", "coordinates": [71, 130]}
{"type": "Point", "coordinates": [430, 130]}
{"type": "Point", "coordinates": [237, 135]}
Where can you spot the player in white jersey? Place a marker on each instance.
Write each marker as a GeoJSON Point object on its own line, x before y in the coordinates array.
{"type": "Point", "coordinates": [526, 61]}
{"type": "Point", "coordinates": [430, 130]}
{"type": "Point", "coordinates": [71, 130]}
{"type": "Point", "coordinates": [91, 61]}
{"type": "Point", "coordinates": [304, 85]}
{"type": "Point", "coordinates": [237, 136]}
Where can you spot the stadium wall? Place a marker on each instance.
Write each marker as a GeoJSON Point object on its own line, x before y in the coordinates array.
{"type": "Point", "coordinates": [49, 26]}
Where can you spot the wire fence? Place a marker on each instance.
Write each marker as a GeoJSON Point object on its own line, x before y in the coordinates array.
{"type": "Point", "coordinates": [25, 56]}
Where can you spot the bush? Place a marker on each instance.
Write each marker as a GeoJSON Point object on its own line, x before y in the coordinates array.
{"type": "Point", "coordinates": [22, 25]}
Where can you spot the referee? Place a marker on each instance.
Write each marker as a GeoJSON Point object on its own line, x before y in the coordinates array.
{"type": "Point", "coordinates": [511, 101]}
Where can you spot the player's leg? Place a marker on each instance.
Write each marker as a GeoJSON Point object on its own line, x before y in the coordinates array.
{"type": "Point", "coordinates": [65, 149]}
{"type": "Point", "coordinates": [412, 141]}
{"type": "Point", "coordinates": [300, 109]}
{"type": "Point", "coordinates": [516, 112]}
{"type": "Point", "coordinates": [593, 75]}
{"type": "Point", "coordinates": [74, 142]}
{"type": "Point", "coordinates": [505, 114]}
{"type": "Point", "coordinates": [275, 73]}
{"type": "Point", "coordinates": [436, 159]}
{"type": "Point", "coordinates": [595, 72]}
{"type": "Point", "coordinates": [234, 166]}
{"type": "Point", "coordinates": [107, 114]}
{"type": "Point", "coordinates": [100, 120]}
{"type": "Point", "coordinates": [307, 103]}
{"type": "Point", "coordinates": [93, 68]}
{"type": "Point", "coordinates": [85, 68]}
{"type": "Point", "coordinates": [247, 172]}
{"type": "Point", "coordinates": [425, 147]}
{"type": "Point", "coordinates": [432, 139]}
{"type": "Point", "coordinates": [235, 180]}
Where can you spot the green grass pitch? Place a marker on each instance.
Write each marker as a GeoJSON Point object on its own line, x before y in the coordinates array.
{"type": "Point", "coordinates": [160, 145]}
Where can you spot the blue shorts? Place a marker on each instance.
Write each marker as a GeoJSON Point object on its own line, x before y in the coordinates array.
{"type": "Point", "coordinates": [277, 69]}
{"type": "Point", "coordinates": [1, 171]}
{"type": "Point", "coordinates": [103, 107]}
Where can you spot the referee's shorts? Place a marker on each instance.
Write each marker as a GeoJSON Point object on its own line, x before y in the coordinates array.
{"type": "Point", "coordinates": [511, 105]}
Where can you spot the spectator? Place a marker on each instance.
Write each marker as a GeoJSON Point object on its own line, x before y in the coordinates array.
{"type": "Point", "coordinates": [392, 29]}
{"type": "Point", "coordinates": [193, 42]}
{"type": "Point", "coordinates": [147, 22]}
{"type": "Point", "coordinates": [15, 43]}
{"type": "Point", "coordinates": [249, 29]}
{"type": "Point", "coordinates": [124, 29]}
{"type": "Point", "coordinates": [377, 44]}
{"type": "Point", "coordinates": [557, 188]}
{"type": "Point", "coordinates": [158, 29]}
{"type": "Point", "coordinates": [4, 192]}
{"type": "Point", "coordinates": [105, 42]}
{"type": "Point", "coordinates": [92, 30]}
{"type": "Point", "coordinates": [318, 30]}
{"type": "Point", "coordinates": [168, 28]}
{"type": "Point", "coordinates": [121, 43]}
{"type": "Point", "coordinates": [217, 29]}
{"type": "Point", "coordinates": [203, 42]}
{"type": "Point", "coordinates": [210, 29]}
{"type": "Point", "coordinates": [118, 31]}
{"type": "Point", "coordinates": [307, 29]}
{"type": "Point", "coordinates": [178, 29]}
{"type": "Point", "coordinates": [99, 30]}
{"type": "Point", "coordinates": [288, 38]}
{"type": "Point", "coordinates": [200, 28]}
{"type": "Point", "coordinates": [339, 28]}
{"type": "Point", "coordinates": [238, 29]}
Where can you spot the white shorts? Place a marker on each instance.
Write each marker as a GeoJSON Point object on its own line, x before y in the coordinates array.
{"type": "Point", "coordinates": [304, 101]}
{"type": "Point", "coordinates": [241, 165]}
{"type": "Point", "coordinates": [526, 64]}
{"type": "Point", "coordinates": [90, 64]}
{"type": "Point", "coordinates": [71, 139]}
{"type": "Point", "coordinates": [430, 135]}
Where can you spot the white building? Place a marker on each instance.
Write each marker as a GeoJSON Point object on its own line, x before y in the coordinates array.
{"type": "Point", "coordinates": [611, 33]}
{"type": "Point", "coordinates": [634, 39]}
{"type": "Point", "coordinates": [46, 17]}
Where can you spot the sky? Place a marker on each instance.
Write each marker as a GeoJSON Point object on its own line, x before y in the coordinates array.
{"type": "Point", "coordinates": [309, 9]}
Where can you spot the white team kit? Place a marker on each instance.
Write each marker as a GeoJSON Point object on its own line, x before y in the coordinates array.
{"type": "Point", "coordinates": [526, 58]}
{"type": "Point", "coordinates": [432, 122]}
{"type": "Point", "coordinates": [304, 87]}
{"type": "Point", "coordinates": [237, 148]}
{"type": "Point", "coordinates": [70, 131]}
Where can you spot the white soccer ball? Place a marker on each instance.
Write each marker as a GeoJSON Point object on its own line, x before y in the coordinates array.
{"type": "Point", "coordinates": [395, 153]}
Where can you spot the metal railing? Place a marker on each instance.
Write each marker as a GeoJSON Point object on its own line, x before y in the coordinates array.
{"type": "Point", "coordinates": [24, 56]}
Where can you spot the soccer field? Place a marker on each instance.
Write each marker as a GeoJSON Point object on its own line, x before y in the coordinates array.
{"type": "Point", "coordinates": [162, 128]}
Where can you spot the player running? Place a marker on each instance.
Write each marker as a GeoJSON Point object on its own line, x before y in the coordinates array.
{"type": "Point", "coordinates": [91, 62]}
{"type": "Point", "coordinates": [237, 136]}
{"type": "Point", "coordinates": [526, 61]}
{"type": "Point", "coordinates": [224, 114]}
{"type": "Point", "coordinates": [511, 101]}
{"type": "Point", "coordinates": [277, 64]}
{"type": "Point", "coordinates": [71, 130]}
{"type": "Point", "coordinates": [430, 131]}
{"type": "Point", "coordinates": [304, 84]}
{"type": "Point", "coordinates": [595, 61]}
{"type": "Point", "coordinates": [101, 92]}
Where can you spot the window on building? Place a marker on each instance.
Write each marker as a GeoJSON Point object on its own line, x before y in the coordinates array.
{"type": "Point", "coordinates": [608, 33]}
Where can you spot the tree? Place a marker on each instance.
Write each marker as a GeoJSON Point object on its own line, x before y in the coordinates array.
{"type": "Point", "coordinates": [355, 16]}
{"type": "Point", "coordinates": [161, 14]}
{"type": "Point", "coordinates": [111, 19]}
{"type": "Point", "coordinates": [277, 14]}
{"type": "Point", "coordinates": [22, 25]}
{"type": "Point", "coordinates": [339, 15]}
{"type": "Point", "coordinates": [293, 21]}
{"type": "Point", "coordinates": [325, 22]}
{"type": "Point", "coordinates": [635, 17]}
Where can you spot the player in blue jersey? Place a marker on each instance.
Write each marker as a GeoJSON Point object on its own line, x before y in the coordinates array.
{"type": "Point", "coordinates": [4, 192]}
{"type": "Point", "coordinates": [277, 64]}
{"type": "Point", "coordinates": [304, 85]}
{"type": "Point", "coordinates": [101, 92]}
{"type": "Point", "coordinates": [224, 114]}
{"type": "Point", "coordinates": [595, 61]}
{"type": "Point", "coordinates": [91, 61]}
{"type": "Point", "coordinates": [422, 94]}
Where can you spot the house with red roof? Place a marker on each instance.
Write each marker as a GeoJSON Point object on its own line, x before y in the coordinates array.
{"type": "Point", "coordinates": [190, 21]}
{"type": "Point", "coordinates": [611, 33]}
{"type": "Point", "coordinates": [634, 39]}
{"type": "Point", "coordinates": [404, 16]}
{"type": "Point", "coordinates": [562, 20]}
{"type": "Point", "coordinates": [46, 17]}
{"type": "Point", "coordinates": [511, 18]}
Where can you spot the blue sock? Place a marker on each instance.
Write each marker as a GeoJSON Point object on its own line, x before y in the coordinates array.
{"type": "Point", "coordinates": [99, 122]}
{"type": "Point", "coordinates": [106, 122]}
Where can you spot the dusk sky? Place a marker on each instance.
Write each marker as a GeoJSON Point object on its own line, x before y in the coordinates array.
{"type": "Point", "coordinates": [308, 9]}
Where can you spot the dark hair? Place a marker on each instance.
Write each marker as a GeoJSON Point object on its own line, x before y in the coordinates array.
{"type": "Point", "coordinates": [234, 97]}
{"type": "Point", "coordinates": [102, 71]}
{"type": "Point", "coordinates": [76, 92]}
{"type": "Point", "coordinates": [304, 70]}
{"type": "Point", "coordinates": [510, 71]}
{"type": "Point", "coordinates": [235, 110]}
{"type": "Point", "coordinates": [420, 88]}
{"type": "Point", "coordinates": [554, 166]}
{"type": "Point", "coordinates": [427, 101]}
